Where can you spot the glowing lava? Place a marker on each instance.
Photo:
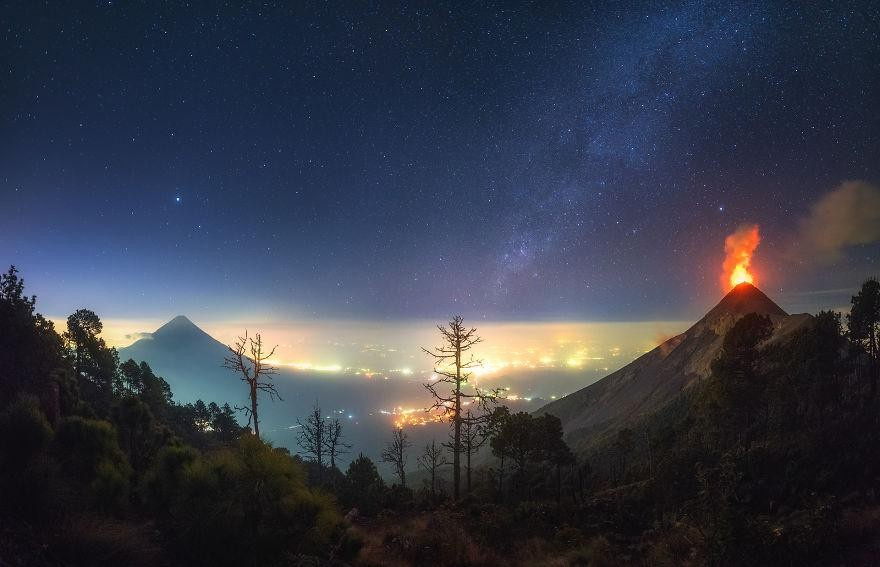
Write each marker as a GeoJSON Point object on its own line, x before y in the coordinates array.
{"type": "Point", "coordinates": [740, 275]}
{"type": "Point", "coordinates": [738, 249]}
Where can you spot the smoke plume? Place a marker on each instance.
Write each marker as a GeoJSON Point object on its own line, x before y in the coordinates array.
{"type": "Point", "coordinates": [847, 216]}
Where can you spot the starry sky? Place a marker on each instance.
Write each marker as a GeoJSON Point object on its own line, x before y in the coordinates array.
{"type": "Point", "coordinates": [376, 161]}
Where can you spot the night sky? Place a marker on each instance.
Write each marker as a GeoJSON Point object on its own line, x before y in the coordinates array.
{"type": "Point", "coordinates": [542, 160]}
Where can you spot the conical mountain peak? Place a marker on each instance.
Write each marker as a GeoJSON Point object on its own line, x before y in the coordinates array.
{"type": "Point", "coordinates": [188, 358]}
{"type": "Point", "coordinates": [179, 335]}
{"type": "Point", "coordinates": [743, 299]}
{"type": "Point", "coordinates": [181, 320]}
{"type": "Point", "coordinates": [177, 327]}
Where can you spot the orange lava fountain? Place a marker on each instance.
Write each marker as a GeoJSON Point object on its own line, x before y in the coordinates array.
{"type": "Point", "coordinates": [738, 249]}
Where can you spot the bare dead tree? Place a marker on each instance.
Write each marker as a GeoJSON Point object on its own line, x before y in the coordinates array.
{"type": "Point", "coordinates": [452, 385]}
{"type": "Point", "coordinates": [395, 453]}
{"type": "Point", "coordinates": [248, 360]}
{"type": "Point", "coordinates": [431, 460]}
{"type": "Point", "coordinates": [312, 437]}
{"type": "Point", "coordinates": [333, 442]}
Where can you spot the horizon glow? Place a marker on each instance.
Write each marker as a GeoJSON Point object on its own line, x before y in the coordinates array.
{"type": "Point", "coordinates": [393, 348]}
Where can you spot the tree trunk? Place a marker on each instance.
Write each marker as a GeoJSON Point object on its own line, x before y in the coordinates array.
{"type": "Point", "coordinates": [456, 449]}
{"type": "Point", "coordinates": [469, 469]}
{"type": "Point", "coordinates": [501, 477]}
{"type": "Point", "coordinates": [254, 410]}
{"type": "Point", "coordinates": [875, 367]}
{"type": "Point", "coordinates": [558, 484]}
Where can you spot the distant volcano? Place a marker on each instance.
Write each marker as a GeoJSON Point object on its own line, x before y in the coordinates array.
{"type": "Point", "coordinates": [190, 359]}
{"type": "Point", "coordinates": [183, 330]}
{"type": "Point", "coordinates": [656, 378]}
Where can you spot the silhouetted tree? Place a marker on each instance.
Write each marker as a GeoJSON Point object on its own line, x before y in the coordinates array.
{"type": "Point", "coordinates": [550, 447]}
{"type": "Point", "coordinates": [224, 423]}
{"type": "Point", "coordinates": [248, 360]}
{"type": "Point", "coordinates": [516, 437]}
{"type": "Point", "coordinates": [96, 366]}
{"type": "Point", "coordinates": [453, 386]}
{"type": "Point", "coordinates": [499, 444]}
{"type": "Point", "coordinates": [202, 416]}
{"type": "Point", "coordinates": [521, 438]}
{"type": "Point", "coordinates": [824, 351]}
{"type": "Point", "coordinates": [139, 434]}
{"type": "Point", "coordinates": [864, 328]}
{"type": "Point", "coordinates": [395, 453]}
{"type": "Point", "coordinates": [130, 373]}
{"type": "Point", "coordinates": [364, 484]}
{"type": "Point", "coordinates": [139, 380]}
{"type": "Point", "coordinates": [155, 391]}
{"type": "Point", "coordinates": [431, 459]}
{"type": "Point", "coordinates": [333, 441]}
{"type": "Point", "coordinates": [806, 375]}
{"type": "Point", "coordinates": [83, 327]}
{"type": "Point", "coordinates": [475, 433]}
{"type": "Point", "coordinates": [312, 437]}
{"type": "Point", "coordinates": [31, 352]}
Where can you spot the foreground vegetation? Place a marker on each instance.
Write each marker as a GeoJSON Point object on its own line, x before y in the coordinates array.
{"type": "Point", "coordinates": [774, 459]}
{"type": "Point", "coordinates": [100, 466]}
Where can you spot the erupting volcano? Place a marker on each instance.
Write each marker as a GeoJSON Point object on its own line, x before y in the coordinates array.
{"type": "Point", "coordinates": [738, 250]}
{"type": "Point", "coordinates": [657, 378]}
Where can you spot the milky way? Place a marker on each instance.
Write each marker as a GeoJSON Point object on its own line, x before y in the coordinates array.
{"type": "Point", "coordinates": [538, 160]}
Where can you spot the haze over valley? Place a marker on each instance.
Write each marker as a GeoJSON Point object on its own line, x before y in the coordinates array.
{"type": "Point", "coordinates": [373, 386]}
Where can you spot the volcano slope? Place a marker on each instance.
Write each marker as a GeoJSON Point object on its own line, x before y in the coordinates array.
{"type": "Point", "coordinates": [654, 380]}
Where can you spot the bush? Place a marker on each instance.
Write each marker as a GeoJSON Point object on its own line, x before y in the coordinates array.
{"type": "Point", "coordinates": [26, 480]}
{"type": "Point", "coordinates": [248, 504]}
{"type": "Point", "coordinates": [89, 454]}
{"type": "Point", "coordinates": [24, 432]}
{"type": "Point", "coordinates": [162, 484]}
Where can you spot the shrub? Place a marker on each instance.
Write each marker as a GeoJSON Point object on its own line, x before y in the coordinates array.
{"type": "Point", "coordinates": [89, 455]}
{"type": "Point", "coordinates": [24, 432]}
{"type": "Point", "coordinates": [161, 485]}
{"type": "Point", "coordinates": [26, 479]}
{"type": "Point", "coordinates": [247, 504]}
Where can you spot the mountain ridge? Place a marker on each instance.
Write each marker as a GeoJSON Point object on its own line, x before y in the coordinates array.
{"type": "Point", "coordinates": [657, 377]}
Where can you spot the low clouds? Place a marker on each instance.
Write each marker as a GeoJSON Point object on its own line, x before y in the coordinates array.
{"type": "Point", "coordinates": [847, 216]}
{"type": "Point", "coordinates": [138, 336]}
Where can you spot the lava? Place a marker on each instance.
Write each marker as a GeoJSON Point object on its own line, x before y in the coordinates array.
{"type": "Point", "coordinates": [738, 250]}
